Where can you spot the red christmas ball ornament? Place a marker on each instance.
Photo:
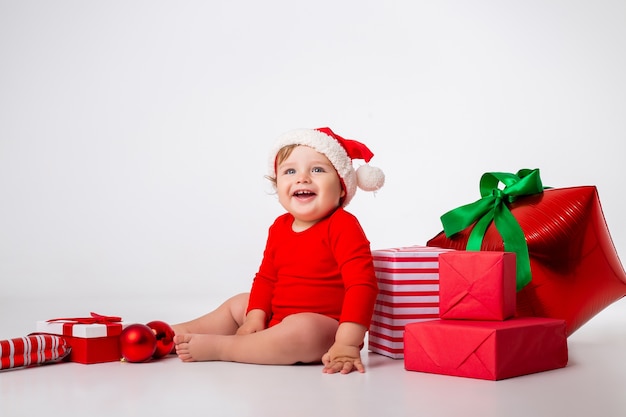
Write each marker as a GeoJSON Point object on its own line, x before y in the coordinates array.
{"type": "Point", "coordinates": [164, 338]}
{"type": "Point", "coordinates": [137, 343]}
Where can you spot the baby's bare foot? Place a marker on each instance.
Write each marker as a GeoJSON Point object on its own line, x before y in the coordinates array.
{"type": "Point", "coordinates": [181, 342]}
{"type": "Point", "coordinates": [195, 347]}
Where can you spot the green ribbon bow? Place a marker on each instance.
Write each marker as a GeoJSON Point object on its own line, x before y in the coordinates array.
{"type": "Point", "coordinates": [493, 207]}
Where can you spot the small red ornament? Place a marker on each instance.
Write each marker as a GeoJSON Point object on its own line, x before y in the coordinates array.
{"type": "Point", "coordinates": [164, 338]}
{"type": "Point", "coordinates": [137, 343]}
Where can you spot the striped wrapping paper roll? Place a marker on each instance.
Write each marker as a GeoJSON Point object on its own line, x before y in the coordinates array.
{"type": "Point", "coordinates": [32, 350]}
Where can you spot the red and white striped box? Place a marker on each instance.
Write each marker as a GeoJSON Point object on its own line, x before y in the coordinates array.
{"type": "Point", "coordinates": [408, 283]}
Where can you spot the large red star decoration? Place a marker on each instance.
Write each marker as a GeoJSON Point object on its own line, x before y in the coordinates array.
{"type": "Point", "coordinates": [576, 271]}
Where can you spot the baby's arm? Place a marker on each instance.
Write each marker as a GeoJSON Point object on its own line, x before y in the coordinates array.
{"type": "Point", "coordinates": [254, 322]}
{"type": "Point", "coordinates": [344, 355]}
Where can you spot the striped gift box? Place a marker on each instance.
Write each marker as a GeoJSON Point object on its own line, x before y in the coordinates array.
{"type": "Point", "coordinates": [32, 350]}
{"type": "Point", "coordinates": [408, 283]}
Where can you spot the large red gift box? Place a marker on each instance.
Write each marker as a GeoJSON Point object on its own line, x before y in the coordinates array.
{"type": "Point", "coordinates": [408, 283]}
{"type": "Point", "coordinates": [576, 271]}
{"type": "Point", "coordinates": [491, 350]}
{"type": "Point", "coordinates": [94, 339]}
{"type": "Point", "coordinates": [477, 285]}
{"type": "Point", "coordinates": [31, 350]}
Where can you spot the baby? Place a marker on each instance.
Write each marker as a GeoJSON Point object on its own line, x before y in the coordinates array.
{"type": "Point", "coordinates": [313, 296]}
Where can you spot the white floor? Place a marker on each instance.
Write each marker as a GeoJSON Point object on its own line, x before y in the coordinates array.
{"type": "Point", "coordinates": [593, 383]}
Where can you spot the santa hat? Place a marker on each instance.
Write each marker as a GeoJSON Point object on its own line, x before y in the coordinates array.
{"type": "Point", "coordinates": [340, 152]}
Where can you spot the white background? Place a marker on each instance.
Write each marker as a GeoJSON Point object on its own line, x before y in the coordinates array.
{"type": "Point", "coordinates": [134, 134]}
{"type": "Point", "coordinates": [133, 148]}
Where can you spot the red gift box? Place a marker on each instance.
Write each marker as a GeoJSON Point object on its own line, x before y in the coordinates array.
{"type": "Point", "coordinates": [477, 285]}
{"type": "Point", "coordinates": [576, 271]}
{"type": "Point", "coordinates": [408, 283]}
{"type": "Point", "coordinates": [94, 339]}
{"type": "Point", "coordinates": [490, 350]}
{"type": "Point", "coordinates": [32, 350]}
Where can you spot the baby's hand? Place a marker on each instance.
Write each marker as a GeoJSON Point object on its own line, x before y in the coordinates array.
{"type": "Point", "coordinates": [343, 359]}
{"type": "Point", "coordinates": [254, 322]}
{"type": "Point", "coordinates": [249, 327]}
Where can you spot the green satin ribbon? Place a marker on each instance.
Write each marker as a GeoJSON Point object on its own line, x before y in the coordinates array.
{"type": "Point", "coordinates": [493, 206]}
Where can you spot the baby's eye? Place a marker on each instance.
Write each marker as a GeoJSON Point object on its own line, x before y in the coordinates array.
{"type": "Point", "coordinates": [318, 169]}
{"type": "Point", "coordinates": [289, 171]}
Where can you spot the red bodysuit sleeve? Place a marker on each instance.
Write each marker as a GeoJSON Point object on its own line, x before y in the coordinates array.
{"type": "Point", "coordinates": [263, 284]}
{"type": "Point", "coordinates": [354, 257]}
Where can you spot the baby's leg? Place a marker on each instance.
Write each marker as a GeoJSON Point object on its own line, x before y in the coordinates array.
{"type": "Point", "coordinates": [303, 337]}
{"type": "Point", "coordinates": [225, 319]}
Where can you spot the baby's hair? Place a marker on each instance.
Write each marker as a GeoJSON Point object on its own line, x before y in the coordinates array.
{"type": "Point", "coordinates": [282, 154]}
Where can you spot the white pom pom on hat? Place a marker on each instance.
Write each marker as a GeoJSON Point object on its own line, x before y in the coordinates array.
{"type": "Point", "coordinates": [370, 178]}
{"type": "Point", "coordinates": [340, 152]}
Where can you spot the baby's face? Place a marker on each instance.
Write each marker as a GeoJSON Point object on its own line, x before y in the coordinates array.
{"type": "Point", "coordinates": [308, 186]}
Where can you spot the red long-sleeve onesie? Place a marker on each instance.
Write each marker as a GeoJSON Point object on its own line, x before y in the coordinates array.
{"type": "Point", "coordinates": [326, 269]}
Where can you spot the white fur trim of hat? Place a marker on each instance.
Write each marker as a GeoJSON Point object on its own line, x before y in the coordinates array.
{"type": "Point", "coordinates": [340, 152]}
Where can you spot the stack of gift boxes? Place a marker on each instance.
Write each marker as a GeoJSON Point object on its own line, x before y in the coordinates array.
{"type": "Point", "coordinates": [475, 332]}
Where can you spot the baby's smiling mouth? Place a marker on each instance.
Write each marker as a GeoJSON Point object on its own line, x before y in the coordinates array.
{"type": "Point", "coordinates": [303, 194]}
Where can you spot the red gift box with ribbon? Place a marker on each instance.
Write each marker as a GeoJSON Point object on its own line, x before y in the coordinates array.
{"type": "Point", "coordinates": [93, 339]}
{"type": "Point", "coordinates": [567, 265]}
